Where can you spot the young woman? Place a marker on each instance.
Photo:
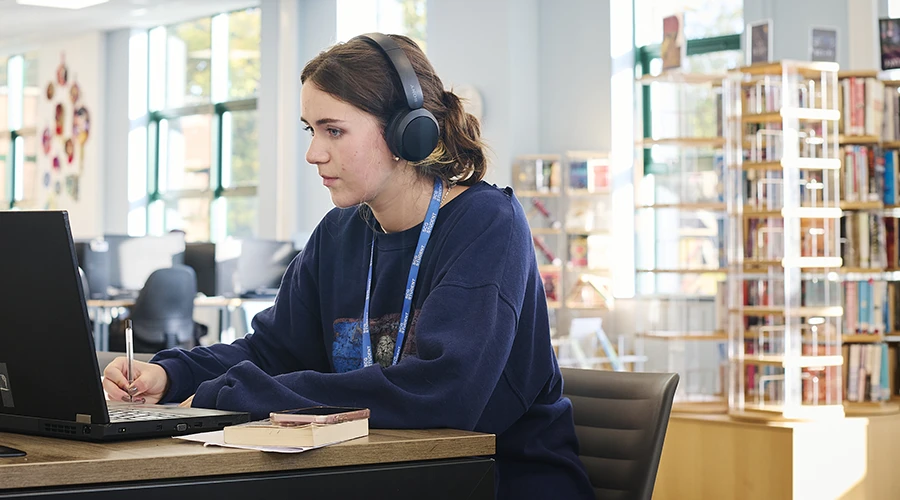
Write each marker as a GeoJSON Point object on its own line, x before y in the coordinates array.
{"type": "Point", "coordinates": [418, 297]}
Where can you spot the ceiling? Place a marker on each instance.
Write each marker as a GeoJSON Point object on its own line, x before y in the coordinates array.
{"type": "Point", "coordinates": [23, 27]}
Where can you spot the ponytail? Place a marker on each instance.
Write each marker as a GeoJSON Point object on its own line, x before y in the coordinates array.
{"type": "Point", "coordinates": [459, 156]}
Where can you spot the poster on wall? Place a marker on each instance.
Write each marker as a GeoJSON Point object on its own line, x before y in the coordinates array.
{"type": "Point", "coordinates": [889, 36]}
{"type": "Point", "coordinates": [759, 46]}
{"type": "Point", "coordinates": [63, 137]}
{"type": "Point", "coordinates": [673, 49]}
{"type": "Point", "coordinates": [823, 44]}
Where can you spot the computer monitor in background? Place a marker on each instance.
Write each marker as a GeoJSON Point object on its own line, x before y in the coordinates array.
{"type": "Point", "coordinates": [261, 266]}
{"type": "Point", "coordinates": [201, 255]}
{"type": "Point", "coordinates": [239, 267]}
{"type": "Point", "coordinates": [133, 259]}
{"type": "Point", "coordinates": [93, 259]}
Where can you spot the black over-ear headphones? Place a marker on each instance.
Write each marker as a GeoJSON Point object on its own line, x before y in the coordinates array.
{"type": "Point", "coordinates": [412, 134]}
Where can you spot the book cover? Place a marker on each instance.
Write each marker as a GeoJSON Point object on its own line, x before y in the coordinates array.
{"type": "Point", "coordinates": [889, 34]}
{"type": "Point", "coordinates": [673, 46]}
{"type": "Point", "coordinates": [265, 433]}
{"type": "Point", "coordinates": [759, 49]}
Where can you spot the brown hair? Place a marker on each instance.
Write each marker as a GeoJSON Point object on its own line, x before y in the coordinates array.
{"type": "Point", "coordinates": [357, 73]}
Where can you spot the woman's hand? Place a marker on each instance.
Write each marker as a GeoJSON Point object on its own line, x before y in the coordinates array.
{"type": "Point", "coordinates": [149, 386]}
{"type": "Point", "coordinates": [187, 402]}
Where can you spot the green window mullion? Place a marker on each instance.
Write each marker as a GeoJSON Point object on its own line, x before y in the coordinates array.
{"type": "Point", "coordinates": [153, 192]}
{"type": "Point", "coordinates": [698, 46]}
{"type": "Point", "coordinates": [11, 163]}
{"type": "Point", "coordinates": [218, 188]}
{"type": "Point", "coordinates": [647, 123]}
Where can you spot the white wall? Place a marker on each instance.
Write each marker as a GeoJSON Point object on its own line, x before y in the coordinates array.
{"type": "Point", "coordinates": [115, 182]}
{"type": "Point", "coordinates": [792, 21]}
{"type": "Point", "coordinates": [574, 74]}
{"type": "Point", "coordinates": [318, 31]}
{"type": "Point", "coordinates": [85, 58]}
{"type": "Point", "coordinates": [495, 53]}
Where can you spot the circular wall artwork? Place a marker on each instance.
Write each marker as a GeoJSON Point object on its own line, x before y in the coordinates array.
{"type": "Point", "coordinates": [46, 141]}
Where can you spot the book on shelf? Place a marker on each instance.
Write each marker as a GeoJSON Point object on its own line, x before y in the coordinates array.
{"type": "Point", "coordinates": [861, 102]}
{"type": "Point", "coordinates": [864, 174]}
{"type": "Point", "coordinates": [267, 433]}
{"type": "Point", "coordinates": [864, 240]}
{"type": "Point", "coordinates": [870, 371]}
{"type": "Point", "coordinates": [550, 279]}
{"type": "Point", "coordinates": [541, 174]}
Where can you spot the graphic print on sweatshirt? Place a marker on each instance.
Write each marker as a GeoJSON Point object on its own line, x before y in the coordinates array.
{"type": "Point", "coordinates": [347, 348]}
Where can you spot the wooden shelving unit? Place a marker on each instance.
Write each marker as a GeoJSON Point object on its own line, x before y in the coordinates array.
{"type": "Point", "coordinates": [865, 273]}
{"type": "Point", "coordinates": [567, 198]}
{"type": "Point", "coordinates": [679, 214]}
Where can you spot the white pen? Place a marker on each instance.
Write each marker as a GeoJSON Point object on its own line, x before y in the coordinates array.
{"type": "Point", "coordinates": [129, 353]}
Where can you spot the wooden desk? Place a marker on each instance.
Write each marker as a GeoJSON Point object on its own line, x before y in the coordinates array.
{"type": "Point", "coordinates": [711, 457]}
{"type": "Point", "coordinates": [440, 463]}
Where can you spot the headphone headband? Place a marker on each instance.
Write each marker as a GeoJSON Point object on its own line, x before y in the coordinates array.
{"type": "Point", "coordinates": [413, 133]}
{"type": "Point", "coordinates": [408, 79]}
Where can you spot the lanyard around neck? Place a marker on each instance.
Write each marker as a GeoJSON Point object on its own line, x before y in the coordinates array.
{"type": "Point", "coordinates": [424, 235]}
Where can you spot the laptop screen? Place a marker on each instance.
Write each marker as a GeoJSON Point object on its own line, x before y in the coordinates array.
{"type": "Point", "coordinates": [47, 359]}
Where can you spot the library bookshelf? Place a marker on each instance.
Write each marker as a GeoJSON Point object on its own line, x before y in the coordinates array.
{"type": "Point", "coordinates": [679, 224]}
{"type": "Point", "coordinates": [783, 209]}
{"type": "Point", "coordinates": [568, 201]}
{"type": "Point", "coordinates": [869, 142]}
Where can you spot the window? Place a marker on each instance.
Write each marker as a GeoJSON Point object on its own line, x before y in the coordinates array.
{"type": "Point", "coordinates": [713, 32]}
{"type": "Point", "coordinates": [18, 138]}
{"type": "Point", "coordinates": [702, 18]}
{"type": "Point", "coordinates": [193, 146]}
{"type": "Point", "coordinates": [403, 17]}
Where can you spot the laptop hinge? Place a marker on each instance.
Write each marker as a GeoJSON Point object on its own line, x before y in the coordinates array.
{"type": "Point", "coordinates": [81, 418]}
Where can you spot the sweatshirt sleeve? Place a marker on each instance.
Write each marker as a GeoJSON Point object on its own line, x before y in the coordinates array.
{"type": "Point", "coordinates": [291, 320]}
{"type": "Point", "coordinates": [464, 334]}
{"type": "Point", "coordinates": [459, 362]}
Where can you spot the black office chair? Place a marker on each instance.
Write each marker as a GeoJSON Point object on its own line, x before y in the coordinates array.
{"type": "Point", "coordinates": [620, 421]}
{"type": "Point", "coordinates": [163, 313]}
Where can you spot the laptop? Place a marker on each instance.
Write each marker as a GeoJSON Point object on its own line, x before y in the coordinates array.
{"type": "Point", "coordinates": [49, 374]}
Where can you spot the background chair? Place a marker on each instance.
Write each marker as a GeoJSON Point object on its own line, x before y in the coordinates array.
{"type": "Point", "coordinates": [620, 420]}
{"type": "Point", "coordinates": [163, 314]}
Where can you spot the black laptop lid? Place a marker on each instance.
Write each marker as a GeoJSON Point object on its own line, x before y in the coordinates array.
{"type": "Point", "coordinates": [46, 347]}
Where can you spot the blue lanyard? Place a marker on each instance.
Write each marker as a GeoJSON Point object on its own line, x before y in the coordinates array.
{"type": "Point", "coordinates": [424, 234]}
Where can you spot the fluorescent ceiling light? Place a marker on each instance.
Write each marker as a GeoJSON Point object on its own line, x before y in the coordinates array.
{"type": "Point", "coordinates": [62, 4]}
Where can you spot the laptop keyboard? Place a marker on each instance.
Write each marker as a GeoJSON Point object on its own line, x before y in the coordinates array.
{"type": "Point", "coordinates": [130, 415]}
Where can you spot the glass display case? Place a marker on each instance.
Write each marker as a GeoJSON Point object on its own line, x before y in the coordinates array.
{"type": "Point", "coordinates": [782, 195]}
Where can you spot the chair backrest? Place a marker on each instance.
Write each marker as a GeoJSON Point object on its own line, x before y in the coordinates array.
{"type": "Point", "coordinates": [85, 287]}
{"type": "Point", "coordinates": [164, 310]}
{"type": "Point", "coordinates": [620, 421]}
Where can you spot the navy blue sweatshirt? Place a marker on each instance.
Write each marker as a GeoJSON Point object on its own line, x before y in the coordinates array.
{"type": "Point", "coordinates": [477, 354]}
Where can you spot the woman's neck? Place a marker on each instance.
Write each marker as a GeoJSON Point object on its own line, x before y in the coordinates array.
{"type": "Point", "coordinates": [403, 204]}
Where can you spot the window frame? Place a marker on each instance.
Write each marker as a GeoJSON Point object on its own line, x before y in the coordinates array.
{"type": "Point", "coordinates": [13, 160]}
{"type": "Point", "coordinates": [643, 57]}
{"type": "Point", "coordinates": [216, 192]}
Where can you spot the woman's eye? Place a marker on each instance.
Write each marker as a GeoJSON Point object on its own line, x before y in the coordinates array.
{"type": "Point", "coordinates": [309, 129]}
{"type": "Point", "coordinates": [333, 132]}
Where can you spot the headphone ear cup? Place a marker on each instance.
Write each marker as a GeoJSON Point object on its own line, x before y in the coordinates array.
{"type": "Point", "coordinates": [391, 134]}
{"type": "Point", "coordinates": [413, 135]}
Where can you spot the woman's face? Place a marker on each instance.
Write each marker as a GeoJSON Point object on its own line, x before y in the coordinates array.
{"type": "Point", "coordinates": [347, 148]}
